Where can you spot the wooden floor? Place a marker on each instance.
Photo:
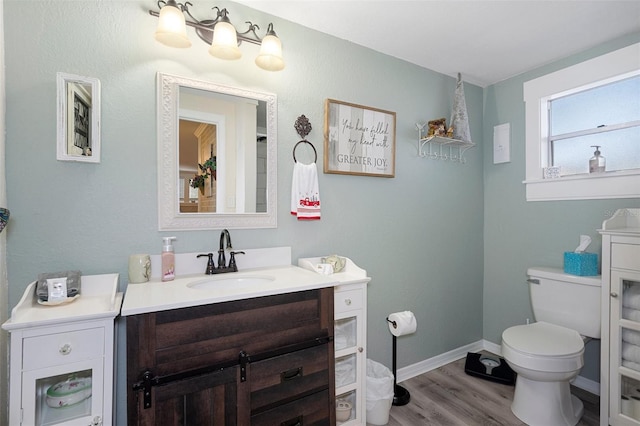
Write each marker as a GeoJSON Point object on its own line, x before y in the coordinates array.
{"type": "Point", "coordinates": [449, 396]}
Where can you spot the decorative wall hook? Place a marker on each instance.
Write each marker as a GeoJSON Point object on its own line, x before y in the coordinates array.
{"type": "Point", "coordinates": [303, 127]}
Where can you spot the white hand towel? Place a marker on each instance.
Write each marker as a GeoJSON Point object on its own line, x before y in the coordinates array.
{"type": "Point", "coordinates": [630, 336]}
{"type": "Point", "coordinates": [631, 297]}
{"type": "Point", "coordinates": [305, 192]}
{"type": "Point", "coordinates": [630, 352]}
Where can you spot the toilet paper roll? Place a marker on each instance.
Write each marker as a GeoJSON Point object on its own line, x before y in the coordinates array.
{"type": "Point", "coordinates": [401, 323]}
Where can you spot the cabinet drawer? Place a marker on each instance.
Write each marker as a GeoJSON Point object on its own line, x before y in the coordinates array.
{"type": "Point", "coordinates": [625, 256]}
{"type": "Point", "coordinates": [347, 300]}
{"type": "Point", "coordinates": [62, 348]}
{"type": "Point", "coordinates": [286, 377]}
{"type": "Point", "coordinates": [312, 410]}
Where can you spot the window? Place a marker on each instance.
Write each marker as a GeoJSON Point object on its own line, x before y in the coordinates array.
{"type": "Point", "coordinates": [594, 103]}
{"type": "Point", "coordinates": [605, 116]}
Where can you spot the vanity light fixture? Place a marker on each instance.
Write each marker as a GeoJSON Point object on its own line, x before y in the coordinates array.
{"type": "Point", "coordinates": [219, 33]}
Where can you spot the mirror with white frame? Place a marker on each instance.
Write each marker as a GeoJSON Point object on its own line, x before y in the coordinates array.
{"type": "Point", "coordinates": [78, 121]}
{"type": "Point", "coordinates": [217, 149]}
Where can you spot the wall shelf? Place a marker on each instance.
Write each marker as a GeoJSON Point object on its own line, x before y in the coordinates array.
{"type": "Point", "coordinates": [441, 148]}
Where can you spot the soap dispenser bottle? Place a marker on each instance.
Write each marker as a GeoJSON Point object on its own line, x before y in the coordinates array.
{"type": "Point", "coordinates": [168, 259]}
{"type": "Point", "coordinates": [597, 162]}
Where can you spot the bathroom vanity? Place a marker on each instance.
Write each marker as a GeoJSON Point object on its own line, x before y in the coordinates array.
{"type": "Point", "coordinates": [252, 347]}
{"type": "Point", "coordinates": [620, 353]}
{"type": "Point", "coordinates": [61, 359]}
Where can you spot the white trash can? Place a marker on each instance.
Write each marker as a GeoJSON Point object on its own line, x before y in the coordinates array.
{"type": "Point", "coordinates": [379, 393]}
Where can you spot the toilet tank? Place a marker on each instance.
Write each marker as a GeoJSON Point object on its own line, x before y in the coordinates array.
{"type": "Point", "coordinates": [567, 300]}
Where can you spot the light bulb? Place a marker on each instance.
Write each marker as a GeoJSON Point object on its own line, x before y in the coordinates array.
{"type": "Point", "coordinates": [270, 56]}
{"type": "Point", "coordinates": [172, 30]}
{"type": "Point", "coordinates": [225, 41]}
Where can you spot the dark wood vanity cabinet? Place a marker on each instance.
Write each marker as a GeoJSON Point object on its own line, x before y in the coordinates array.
{"type": "Point", "coordinates": [260, 361]}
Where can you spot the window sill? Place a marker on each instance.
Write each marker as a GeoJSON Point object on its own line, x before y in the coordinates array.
{"type": "Point", "coordinates": [623, 184]}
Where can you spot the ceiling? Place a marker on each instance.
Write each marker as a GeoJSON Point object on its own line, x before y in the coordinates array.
{"type": "Point", "coordinates": [486, 41]}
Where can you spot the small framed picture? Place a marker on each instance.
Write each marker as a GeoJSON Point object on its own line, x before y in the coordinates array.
{"type": "Point", "coordinates": [78, 118]}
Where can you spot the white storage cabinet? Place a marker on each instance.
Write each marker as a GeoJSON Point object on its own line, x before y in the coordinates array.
{"type": "Point", "coordinates": [620, 344]}
{"type": "Point", "coordinates": [350, 337]}
{"type": "Point", "coordinates": [70, 344]}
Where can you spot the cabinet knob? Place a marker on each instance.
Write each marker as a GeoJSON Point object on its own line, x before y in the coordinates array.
{"type": "Point", "coordinates": [65, 349]}
{"type": "Point", "coordinates": [614, 294]}
{"type": "Point", "coordinates": [347, 302]}
{"type": "Point", "coordinates": [97, 421]}
{"type": "Point", "coordinates": [360, 349]}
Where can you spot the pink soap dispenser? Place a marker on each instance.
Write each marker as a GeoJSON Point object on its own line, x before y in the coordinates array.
{"type": "Point", "coordinates": [168, 259]}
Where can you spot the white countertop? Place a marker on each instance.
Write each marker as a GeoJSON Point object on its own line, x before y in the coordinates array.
{"type": "Point", "coordinates": [351, 273]}
{"type": "Point", "coordinates": [98, 299]}
{"type": "Point", "coordinates": [156, 295]}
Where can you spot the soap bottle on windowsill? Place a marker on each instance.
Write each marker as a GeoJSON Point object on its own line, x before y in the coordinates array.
{"type": "Point", "coordinates": [597, 162]}
{"type": "Point", "coordinates": [168, 259]}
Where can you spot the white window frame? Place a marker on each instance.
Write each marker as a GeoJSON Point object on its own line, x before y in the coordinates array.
{"type": "Point", "coordinates": [618, 184]}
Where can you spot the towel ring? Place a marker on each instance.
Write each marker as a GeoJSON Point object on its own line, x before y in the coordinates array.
{"type": "Point", "coordinates": [305, 141]}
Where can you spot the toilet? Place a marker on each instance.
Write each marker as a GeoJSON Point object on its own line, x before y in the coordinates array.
{"type": "Point", "coordinates": [548, 354]}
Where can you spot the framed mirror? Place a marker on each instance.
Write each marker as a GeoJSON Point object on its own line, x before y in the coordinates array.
{"type": "Point", "coordinates": [217, 156]}
{"type": "Point", "coordinates": [78, 118]}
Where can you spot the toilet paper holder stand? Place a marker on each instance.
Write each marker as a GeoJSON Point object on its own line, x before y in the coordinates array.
{"type": "Point", "coordinates": [401, 395]}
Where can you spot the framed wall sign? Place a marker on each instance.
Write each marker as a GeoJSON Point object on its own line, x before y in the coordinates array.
{"type": "Point", "coordinates": [359, 140]}
{"type": "Point", "coordinates": [78, 118]}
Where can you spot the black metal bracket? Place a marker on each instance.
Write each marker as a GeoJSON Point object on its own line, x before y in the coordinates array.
{"type": "Point", "coordinates": [243, 360]}
{"type": "Point", "coordinates": [145, 386]}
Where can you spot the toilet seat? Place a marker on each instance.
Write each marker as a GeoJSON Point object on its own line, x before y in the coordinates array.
{"type": "Point", "coordinates": [544, 347]}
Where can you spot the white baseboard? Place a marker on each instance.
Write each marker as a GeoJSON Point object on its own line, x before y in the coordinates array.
{"type": "Point", "coordinates": [587, 384]}
{"type": "Point", "coordinates": [437, 361]}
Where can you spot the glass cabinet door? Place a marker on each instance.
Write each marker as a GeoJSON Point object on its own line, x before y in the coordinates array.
{"type": "Point", "coordinates": [625, 346]}
{"type": "Point", "coordinates": [348, 368]}
{"type": "Point", "coordinates": [63, 395]}
{"type": "Point", "coordinates": [346, 333]}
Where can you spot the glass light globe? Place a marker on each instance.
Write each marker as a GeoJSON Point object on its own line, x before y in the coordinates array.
{"type": "Point", "coordinates": [270, 56]}
{"type": "Point", "coordinates": [225, 42]}
{"type": "Point", "coordinates": [171, 30]}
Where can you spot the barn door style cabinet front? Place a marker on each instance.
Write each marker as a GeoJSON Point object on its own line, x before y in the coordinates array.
{"type": "Point", "coordinates": [620, 353]}
{"type": "Point", "coordinates": [260, 361]}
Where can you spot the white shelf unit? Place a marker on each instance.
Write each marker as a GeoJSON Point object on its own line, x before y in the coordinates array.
{"type": "Point", "coordinates": [53, 344]}
{"type": "Point", "coordinates": [620, 344]}
{"type": "Point", "coordinates": [440, 147]}
{"type": "Point", "coordinates": [350, 337]}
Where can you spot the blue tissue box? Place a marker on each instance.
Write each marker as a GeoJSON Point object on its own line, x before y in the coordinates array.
{"type": "Point", "coordinates": [583, 264]}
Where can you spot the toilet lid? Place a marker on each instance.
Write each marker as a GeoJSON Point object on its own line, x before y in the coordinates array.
{"type": "Point", "coordinates": [543, 339]}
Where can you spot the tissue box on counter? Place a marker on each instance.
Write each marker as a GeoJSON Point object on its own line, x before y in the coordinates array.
{"type": "Point", "coordinates": [582, 263]}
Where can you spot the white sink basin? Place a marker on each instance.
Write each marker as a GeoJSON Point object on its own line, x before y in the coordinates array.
{"type": "Point", "coordinates": [219, 283]}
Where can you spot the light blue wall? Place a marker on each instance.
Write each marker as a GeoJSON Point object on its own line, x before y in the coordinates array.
{"type": "Point", "coordinates": [418, 235]}
{"type": "Point", "coordinates": [429, 238]}
{"type": "Point", "coordinates": [519, 234]}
